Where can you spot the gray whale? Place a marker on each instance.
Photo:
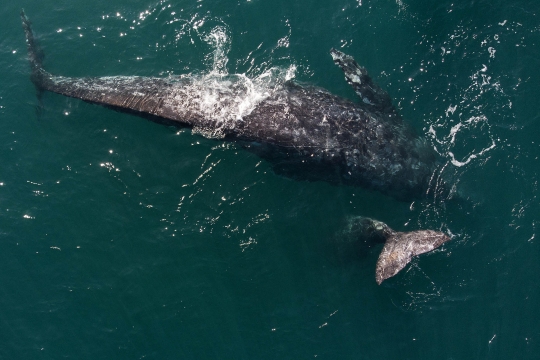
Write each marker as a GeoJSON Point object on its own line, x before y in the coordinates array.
{"type": "Point", "coordinates": [304, 131]}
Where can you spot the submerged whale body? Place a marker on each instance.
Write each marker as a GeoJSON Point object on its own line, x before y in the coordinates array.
{"type": "Point", "coordinates": [304, 131]}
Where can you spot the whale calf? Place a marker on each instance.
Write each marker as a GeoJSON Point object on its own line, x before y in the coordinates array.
{"type": "Point", "coordinates": [304, 131]}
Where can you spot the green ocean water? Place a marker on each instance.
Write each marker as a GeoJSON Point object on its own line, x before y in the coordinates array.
{"type": "Point", "coordinates": [125, 239]}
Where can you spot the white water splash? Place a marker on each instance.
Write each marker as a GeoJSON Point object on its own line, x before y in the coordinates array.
{"type": "Point", "coordinates": [225, 100]}
{"type": "Point", "coordinates": [469, 128]}
{"type": "Point", "coordinates": [220, 40]}
{"type": "Point", "coordinates": [228, 98]}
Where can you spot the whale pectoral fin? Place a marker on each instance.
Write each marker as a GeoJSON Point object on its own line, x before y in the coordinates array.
{"type": "Point", "coordinates": [400, 247]}
{"type": "Point", "coordinates": [363, 85]}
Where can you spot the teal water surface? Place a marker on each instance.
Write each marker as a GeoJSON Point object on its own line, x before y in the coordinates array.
{"type": "Point", "coordinates": [125, 239]}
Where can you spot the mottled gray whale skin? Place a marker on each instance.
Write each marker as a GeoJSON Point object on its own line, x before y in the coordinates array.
{"type": "Point", "coordinates": [399, 247]}
{"type": "Point", "coordinates": [304, 131]}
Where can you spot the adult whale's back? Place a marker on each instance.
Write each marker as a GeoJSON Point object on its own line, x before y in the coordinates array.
{"type": "Point", "coordinates": [305, 131]}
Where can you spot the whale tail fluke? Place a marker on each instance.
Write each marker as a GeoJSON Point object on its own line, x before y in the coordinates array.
{"type": "Point", "coordinates": [400, 247]}
{"type": "Point", "coordinates": [35, 54]}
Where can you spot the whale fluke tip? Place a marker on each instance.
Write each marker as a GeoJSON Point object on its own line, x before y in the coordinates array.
{"type": "Point", "coordinates": [400, 247]}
